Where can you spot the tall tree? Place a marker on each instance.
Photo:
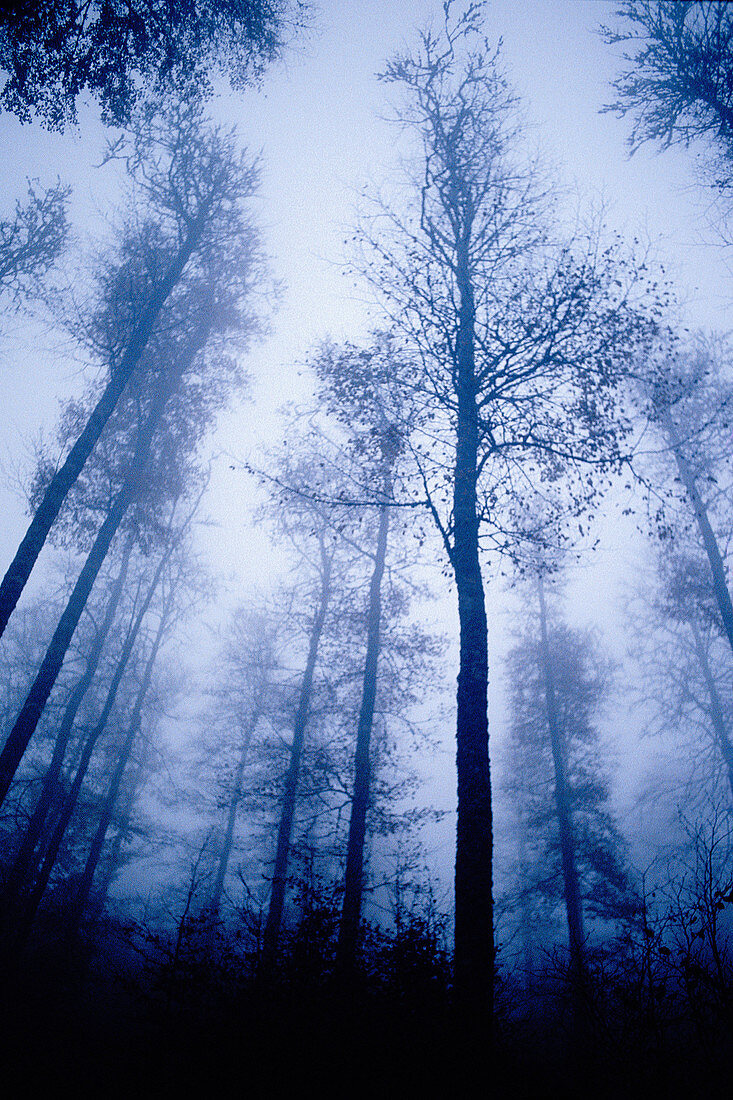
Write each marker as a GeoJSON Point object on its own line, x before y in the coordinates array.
{"type": "Point", "coordinates": [521, 338]}
{"type": "Point", "coordinates": [686, 396]}
{"type": "Point", "coordinates": [54, 52]}
{"type": "Point", "coordinates": [573, 851]}
{"type": "Point", "coordinates": [358, 386]}
{"type": "Point", "coordinates": [245, 697]}
{"type": "Point", "coordinates": [322, 594]}
{"type": "Point", "coordinates": [98, 730]}
{"type": "Point", "coordinates": [195, 187]}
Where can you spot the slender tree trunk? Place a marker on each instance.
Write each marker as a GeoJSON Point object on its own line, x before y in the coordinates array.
{"type": "Point", "coordinates": [525, 925]}
{"type": "Point", "coordinates": [571, 884]}
{"type": "Point", "coordinates": [30, 714]}
{"type": "Point", "coordinates": [234, 800]}
{"type": "Point", "coordinates": [720, 726]}
{"type": "Point", "coordinates": [474, 935]}
{"type": "Point", "coordinates": [113, 791]}
{"type": "Point", "coordinates": [20, 568]}
{"type": "Point", "coordinates": [72, 797]}
{"type": "Point", "coordinates": [354, 875]}
{"type": "Point", "coordinates": [114, 858]}
{"type": "Point", "coordinates": [287, 813]}
{"type": "Point", "coordinates": [709, 541]}
{"type": "Point", "coordinates": [24, 859]}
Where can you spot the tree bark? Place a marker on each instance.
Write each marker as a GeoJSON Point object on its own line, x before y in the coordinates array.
{"type": "Point", "coordinates": [474, 934]}
{"type": "Point", "coordinates": [26, 556]}
{"type": "Point", "coordinates": [571, 883]}
{"type": "Point", "coordinates": [354, 875]}
{"type": "Point", "coordinates": [287, 813]}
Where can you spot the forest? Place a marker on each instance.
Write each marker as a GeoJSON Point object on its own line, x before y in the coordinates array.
{"type": "Point", "coordinates": [366, 671]}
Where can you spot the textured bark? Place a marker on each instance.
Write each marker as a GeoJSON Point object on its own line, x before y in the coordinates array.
{"type": "Point", "coordinates": [26, 556]}
{"type": "Point", "coordinates": [571, 884]}
{"type": "Point", "coordinates": [23, 864]}
{"type": "Point", "coordinates": [474, 934]}
{"type": "Point", "coordinates": [234, 800]}
{"type": "Point", "coordinates": [354, 875]}
{"type": "Point", "coordinates": [287, 812]}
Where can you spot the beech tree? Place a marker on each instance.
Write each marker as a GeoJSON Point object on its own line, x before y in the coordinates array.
{"type": "Point", "coordinates": [360, 388]}
{"type": "Point", "coordinates": [685, 674]}
{"type": "Point", "coordinates": [309, 525]}
{"type": "Point", "coordinates": [520, 338]}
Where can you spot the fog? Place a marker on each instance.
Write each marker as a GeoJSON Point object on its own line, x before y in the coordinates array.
{"type": "Point", "coordinates": [350, 413]}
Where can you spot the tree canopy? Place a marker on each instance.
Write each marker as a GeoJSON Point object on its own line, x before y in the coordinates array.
{"type": "Point", "coordinates": [57, 50]}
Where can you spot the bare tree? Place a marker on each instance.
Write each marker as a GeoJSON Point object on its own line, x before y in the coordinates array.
{"type": "Point", "coordinates": [520, 338]}
{"type": "Point", "coordinates": [195, 186]}
{"type": "Point", "coordinates": [32, 240]}
{"type": "Point", "coordinates": [678, 86]}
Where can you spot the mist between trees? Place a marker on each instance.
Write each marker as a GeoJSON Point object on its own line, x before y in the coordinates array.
{"type": "Point", "coordinates": [225, 807]}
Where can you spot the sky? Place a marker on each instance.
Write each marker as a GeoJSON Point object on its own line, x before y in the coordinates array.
{"type": "Point", "coordinates": [321, 124]}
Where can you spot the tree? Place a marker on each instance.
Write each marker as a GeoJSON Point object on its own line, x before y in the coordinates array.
{"type": "Point", "coordinates": [55, 51]}
{"type": "Point", "coordinates": [679, 83]}
{"type": "Point", "coordinates": [32, 240]}
{"type": "Point", "coordinates": [684, 393]}
{"type": "Point", "coordinates": [314, 517]}
{"type": "Point", "coordinates": [181, 390]}
{"type": "Point", "coordinates": [572, 847]}
{"type": "Point", "coordinates": [90, 742]}
{"type": "Point", "coordinates": [245, 697]}
{"type": "Point", "coordinates": [195, 187]}
{"type": "Point", "coordinates": [355, 385]}
{"type": "Point", "coordinates": [520, 338]}
{"type": "Point", "coordinates": [684, 673]}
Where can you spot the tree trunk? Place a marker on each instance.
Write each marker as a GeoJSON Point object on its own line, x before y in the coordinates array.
{"type": "Point", "coordinates": [720, 726]}
{"type": "Point", "coordinates": [226, 847]}
{"type": "Point", "coordinates": [72, 797]}
{"type": "Point", "coordinates": [571, 884]}
{"type": "Point", "coordinates": [474, 934]}
{"type": "Point", "coordinates": [113, 791]}
{"type": "Point", "coordinates": [287, 813]}
{"type": "Point", "coordinates": [354, 875]}
{"type": "Point", "coordinates": [114, 859]}
{"type": "Point", "coordinates": [35, 703]}
{"type": "Point", "coordinates": [20, 568]}
{"type": "Point", "coordinates": [24, 859]}
{"type": "Point", "coordinates": [709, 541]}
